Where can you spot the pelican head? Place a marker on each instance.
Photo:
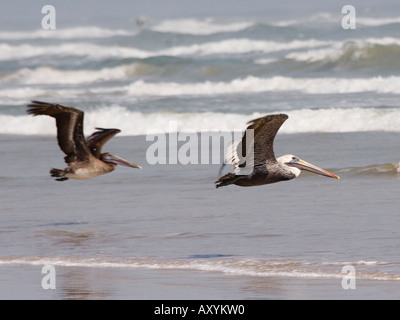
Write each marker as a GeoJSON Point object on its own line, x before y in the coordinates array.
{"type": "Point", "coordinates": [110, 158]}
{"type": "Point", "coordinates": [295, 165]}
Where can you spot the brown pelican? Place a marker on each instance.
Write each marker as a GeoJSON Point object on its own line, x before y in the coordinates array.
{"type": "Point", "coordinates": [84, 157]}
{"type": "Point", "coordinates": [256, 164]}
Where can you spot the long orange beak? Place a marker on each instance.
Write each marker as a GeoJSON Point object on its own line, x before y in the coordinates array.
{"type": "Point", "coordinates": [117, 160]}
{"type": "Point", "coordinates": [303, 165]}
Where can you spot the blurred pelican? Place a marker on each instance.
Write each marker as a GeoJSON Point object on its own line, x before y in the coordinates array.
{"type": "Point", "coordinates": [84, 157]}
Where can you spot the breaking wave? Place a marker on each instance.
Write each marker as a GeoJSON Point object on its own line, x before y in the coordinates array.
{"type": "Point", "coordinates": [366, 270]}
{"type": "Point", "coordinates": [354, 54]}
{"type": "Point", "coordinates": [327, 17]}
{"type": "Point", "coordinates": [29, 84]}
{"type": "Point", "coordinates": [350, 54]}
{"type": "Point", "coordinates": [190, 26]}
{"type": "Point", "coordinates": [253, 84]}
{"type": "Point", "coordinates": [72, 49]}
{"type": "Point", "coordinates": [139, 123]}
{"type": "Point", "coordinates": [387, 168]}
{"type": "Point", "coordinates": [88, 32]}
{"type": "Point", "coordinates": [97, 52]}
{"type": "Point", "coordinates": [206, 26]}
{"type": "Point", "coordinates": [49, 75]}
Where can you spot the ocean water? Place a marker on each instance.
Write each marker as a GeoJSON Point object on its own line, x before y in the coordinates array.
{"type": "Point", "coordinates": [165, 231]}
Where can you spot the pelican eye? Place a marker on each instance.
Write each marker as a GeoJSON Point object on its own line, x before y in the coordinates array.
{"type": "Point", "coordinates": [292, 160]}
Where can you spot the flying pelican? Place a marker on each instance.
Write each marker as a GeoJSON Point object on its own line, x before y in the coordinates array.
{"type": "Point", "coordinates": [84, 157]}
{"type": "Point", "coordinates": [256, 164]}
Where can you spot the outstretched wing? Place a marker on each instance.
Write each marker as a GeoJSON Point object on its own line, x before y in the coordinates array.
{"type": "Point", "coordinates": [69, 123]}
{"type": "Point", "coordinates": [99, 138]}
{"type": "Point", "coordinates": [256, 149]}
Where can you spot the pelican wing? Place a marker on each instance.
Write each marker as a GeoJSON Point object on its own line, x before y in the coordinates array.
{"type": "Point", "coordinates": [233, 156]}
{"type": "Point", "coordinates": [99, 138]}
{"type": "Point", "coordinates": [260, 151]}
{"type": "Point", "coordinates": [69, 123]}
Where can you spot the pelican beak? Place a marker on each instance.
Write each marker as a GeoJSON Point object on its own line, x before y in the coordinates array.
{"type": "Point", "coordinates": [117, 160]}
{"type": "Point", "coordinates": [303, 165]}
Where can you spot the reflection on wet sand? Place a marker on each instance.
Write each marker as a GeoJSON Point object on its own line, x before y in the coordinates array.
{"type": "Point", "coordinates": [84, 284]}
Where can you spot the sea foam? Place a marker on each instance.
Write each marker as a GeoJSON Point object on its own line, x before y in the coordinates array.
{"type": "Point", "coordinates": [233, 266]}
{"type": "Point", "coordinates": [138, 123]}
{"type": "Point", "coordinates": [355, 50]}
{"type": "Point", "coordinates": [82, 32]}
{"type": "Point", "coordinates": [26, 85]}
{"type": "Point", "coordinates": [310, 49]}
{"type": "Point", "coordinates": [253, 84]}
{"type": "Point", "coordinates": [206, 26]}
{"type": "Point", "coordinates": [94, 51]}
{"type": "Point", "coordinates": [49, 75]}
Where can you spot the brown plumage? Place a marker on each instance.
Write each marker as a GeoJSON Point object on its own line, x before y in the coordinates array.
{"type": "Point", "coordinates": [83, 156]}
{"type": "Point", "coordinates": [254, 161]}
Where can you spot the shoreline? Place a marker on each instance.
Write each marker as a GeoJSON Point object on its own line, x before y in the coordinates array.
{"type": "Point", "coordinates": [24, 283]}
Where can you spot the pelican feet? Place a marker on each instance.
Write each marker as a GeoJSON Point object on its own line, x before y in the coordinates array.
{"type": "Point", "coordinates": [60, 174]}
{"type": "Point", "coordinates": [226, 180]}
